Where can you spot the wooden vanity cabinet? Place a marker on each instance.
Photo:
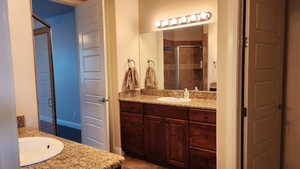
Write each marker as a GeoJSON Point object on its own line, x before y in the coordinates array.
{"type": "Point", "coordinates": [155, 139]}
{"type": "Point", "coordinates": [132, 129]}
{"type": "Point", "coordinates": [202, 139]}
{"type": "Point", "coordinates": [177, 142]}
{"type": "Point", "coordinates": [175, 137]}
{"type": "Point", "coordinates": [202, 159]}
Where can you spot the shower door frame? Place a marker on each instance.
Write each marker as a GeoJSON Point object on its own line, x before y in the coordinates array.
{"type": "Point", "coordinates": [52, 101]}
{"type": "Point", "coordinates": [177, 55]}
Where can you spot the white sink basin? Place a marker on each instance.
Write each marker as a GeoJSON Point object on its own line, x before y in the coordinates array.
{"type": "Point", "coordinates": [38, 149]}
{"type": "Point", "coordinates": [173, 99]}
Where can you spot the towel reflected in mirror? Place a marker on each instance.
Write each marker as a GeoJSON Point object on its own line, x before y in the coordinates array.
{"type": "Point", "coordinates": [150, 79]}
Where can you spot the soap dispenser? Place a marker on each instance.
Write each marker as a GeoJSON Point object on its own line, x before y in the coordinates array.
{"type": "Point", "coordinates": [186, 94]}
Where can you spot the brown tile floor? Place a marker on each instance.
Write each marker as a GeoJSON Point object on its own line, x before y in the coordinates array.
{"type": "Point", "coordinates": [132, 163]}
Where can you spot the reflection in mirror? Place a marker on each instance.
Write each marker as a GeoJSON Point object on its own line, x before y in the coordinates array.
{"type": "Point", "coordinates": [180, 57]}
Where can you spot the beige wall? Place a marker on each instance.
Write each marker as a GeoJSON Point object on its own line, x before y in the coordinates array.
{"type": "Point", "coordinates": [127, 32]}
{"type": "Point", "coordinates": [212, 52]}
{"type": "Point", "coordinates": [23, 60]}
{"type": "Point", "coordinates": [229, 68]}
{"type": "Point", "coordinates": [153, 10]}
{"type": "Point", "coordinates": [8, 127]}
{"type": "Point", "coordinates": [151, 48]}
{"type": "Point", "coordinates": [124, 46]}
{"type": "Point", "coordinates": [292, 88]}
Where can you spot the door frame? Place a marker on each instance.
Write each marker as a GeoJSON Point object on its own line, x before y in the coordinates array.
{"type": "Point", "coordinates": [39, 31]}
{"type": "Point", "coordinates": [229, 95]}
{"type": "Point", "coordinates": [244, 110]}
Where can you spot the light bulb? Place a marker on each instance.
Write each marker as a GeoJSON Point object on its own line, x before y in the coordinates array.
{"type": "Point", "coordinates": [204, 15]}
{"type": "Point", "coordinates": [174, 21]}
{"type": "Point", "coordinates": [165, 23]}
{"type": "Point", "coordinates": [183, 19]}
{"type": "Point", "coordinates": [193, 18]}
{"type": "Point", "coordinates": [198, 17]}
{"type": "Point", "coordinates": [188, 19]}
{"type": "Point", "coordinates": [158, 24]}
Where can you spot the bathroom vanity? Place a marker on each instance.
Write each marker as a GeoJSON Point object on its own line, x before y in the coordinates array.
{"type": "Point", "coordinates": [160, 123]}
{"type": "Point", "coordinates": [176, 135]}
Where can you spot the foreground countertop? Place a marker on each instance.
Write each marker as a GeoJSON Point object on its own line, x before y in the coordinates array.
{"type": "Point", "coordinates": [194, 103]}
{"type": "Point", "coordinates": [74, 155]}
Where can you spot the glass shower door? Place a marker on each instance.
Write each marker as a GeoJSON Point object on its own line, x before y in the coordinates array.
{"type": "Point", "coordinates": [45, 78]}
{"type": "Point", "coordinates": [189, 70]}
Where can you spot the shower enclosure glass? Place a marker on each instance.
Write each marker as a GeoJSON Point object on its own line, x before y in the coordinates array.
{"type": "Point", "coordinates": [189, 67]}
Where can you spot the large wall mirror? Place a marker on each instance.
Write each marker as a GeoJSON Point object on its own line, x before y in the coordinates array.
{"type": "Point", "coordinates": [182, 58]}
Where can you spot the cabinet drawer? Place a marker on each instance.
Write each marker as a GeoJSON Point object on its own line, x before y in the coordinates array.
{"type": "Point", "coordinates": [202, 136]}
{"type": "Point", "coordinates": [206, 116]}
{"type": "Point", "coordinates": [202, 159]}
{"type": "Point", "coordinates": [173, 112]}
{"type": "Point", "coordinates": [131, 107]}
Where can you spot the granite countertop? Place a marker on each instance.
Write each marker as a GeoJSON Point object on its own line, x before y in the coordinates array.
{"type": "Point", "coordinates": [74, 155]}
{"type": "Point", "coordinates": [194, 103]}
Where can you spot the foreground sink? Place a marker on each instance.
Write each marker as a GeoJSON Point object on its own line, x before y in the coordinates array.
{"type": "Point", "coordinates": [38, 149]}
{"type": "Point", "coordinates": [173, 99]}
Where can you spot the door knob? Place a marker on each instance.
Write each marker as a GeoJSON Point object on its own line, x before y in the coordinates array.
{"type": "Point", "coordinates": [103, 100]}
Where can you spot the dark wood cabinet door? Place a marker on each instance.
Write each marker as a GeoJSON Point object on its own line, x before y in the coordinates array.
{"type": "Point", "coordinates": [155, 139]}
{"type": "Point", "coordinates": [177, 143]}
{"type": "Point", "coordinates": [202, 159]}
{"type": "Point", "coordinates": [132, 133]}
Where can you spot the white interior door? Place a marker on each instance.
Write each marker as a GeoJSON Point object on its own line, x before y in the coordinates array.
{"type": "Point", "coordinates": [263, 85]}
{"type": "Point", "coordinates": [94, 112]}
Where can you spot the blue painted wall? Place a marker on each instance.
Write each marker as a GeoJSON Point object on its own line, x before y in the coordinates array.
{"type": "Point", "coordinates": [46, 8]}
{"type": "Point", "coordinates": [66, 68]}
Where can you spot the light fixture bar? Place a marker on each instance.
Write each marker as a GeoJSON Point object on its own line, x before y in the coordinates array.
{"type": "Point", "coordinates": [184, 20]}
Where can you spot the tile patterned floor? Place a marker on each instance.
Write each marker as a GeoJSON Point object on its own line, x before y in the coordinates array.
{"type": "Point", "coordinates": [132, 163]}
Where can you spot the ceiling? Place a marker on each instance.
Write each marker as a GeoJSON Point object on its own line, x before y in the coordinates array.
{"type": "Point", "coordinates": [46, 8]}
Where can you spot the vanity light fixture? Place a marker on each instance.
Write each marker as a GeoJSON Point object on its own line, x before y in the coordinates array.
{"type": "Point", "coordinates": [189, 19]}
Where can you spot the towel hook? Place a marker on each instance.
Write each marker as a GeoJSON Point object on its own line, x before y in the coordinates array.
{"type": "Point", "coordinates": [131, 61]}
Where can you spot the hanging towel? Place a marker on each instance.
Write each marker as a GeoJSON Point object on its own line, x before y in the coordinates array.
{"type": "Point", "coordinates": [131, 81]}
{"type": "Point", "coordinates": [150, 79]}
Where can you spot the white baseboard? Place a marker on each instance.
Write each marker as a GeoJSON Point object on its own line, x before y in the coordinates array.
{"type": "Point", "coordinates": [62, 122]}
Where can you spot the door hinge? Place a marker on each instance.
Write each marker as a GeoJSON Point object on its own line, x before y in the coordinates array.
{"type": "Point", "coordinates": [246, 42]}
{"type": "Point", "coordinates": [280, 107]}
{"type": "Point", "coordinates": [244, 112]}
